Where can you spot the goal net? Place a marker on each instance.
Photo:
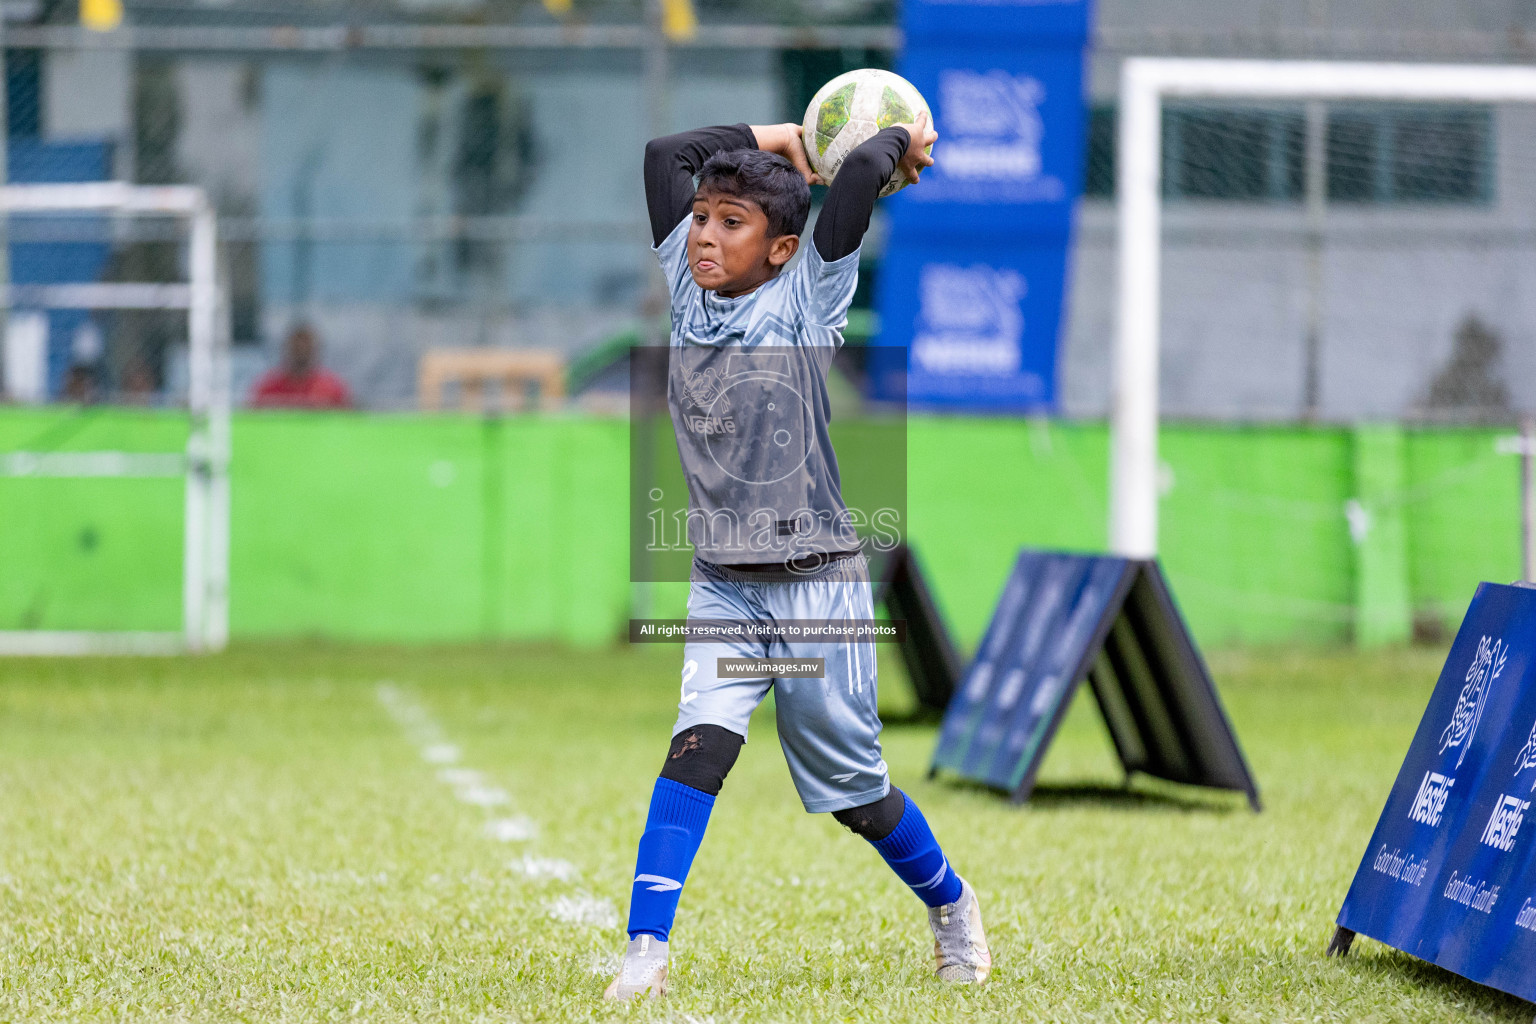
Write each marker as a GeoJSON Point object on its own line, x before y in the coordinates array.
{"type": "Point", "coordinates": [1339, 244]}
{"type": "Point", "coordinates": [1317, 241]}
{"type": "Point", "coordinates": [115, 433]}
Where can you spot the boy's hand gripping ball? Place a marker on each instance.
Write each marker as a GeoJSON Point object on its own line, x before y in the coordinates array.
{"type": "Point", "coordinates": [854, 107]}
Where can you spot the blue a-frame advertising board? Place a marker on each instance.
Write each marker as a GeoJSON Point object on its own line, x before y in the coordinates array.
{"type": "Point", "coordinates": [1449, 875]}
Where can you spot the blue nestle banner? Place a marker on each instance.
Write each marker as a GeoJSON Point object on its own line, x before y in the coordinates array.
{"type": "Point", "coordinates": [1064, 22]}
{"type": "Point", "coordinates": [1009, 159]}
{"type": "Point", "coordinates": [979, 322]}
{"type": "Point", "coordinates": [974, 271]}
{"type": "Point", "coordinates": [1450, 874]}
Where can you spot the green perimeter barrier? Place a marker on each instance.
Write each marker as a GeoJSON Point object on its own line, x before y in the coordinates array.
{"type": "Point", "coordinates": [87, 553]}
{"type": "Point", "coordinates": [417, 528]}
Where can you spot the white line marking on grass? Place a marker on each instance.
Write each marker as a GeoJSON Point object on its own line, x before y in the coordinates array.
{"type": "Point", "coordinates": [587, 910]}
{"type": "Point", "coordinates": [471, 787]}
{"type": "Point", "coordinates": [464, 777]}
{"type": "Point", "coordinates": [511, 830]}
{"type": "Point", "coordinates": [544, 867]}
{"type": "Point", "coordinates": [440, 753]}
{"type": "Point", "coordinates": [483, 796]}
{"type": "Point", "coordinates": [410, 716]}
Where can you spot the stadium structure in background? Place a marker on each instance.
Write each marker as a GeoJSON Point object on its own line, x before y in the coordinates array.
{"type": "Point", "coordinates": [1340, 272]}
{"type": "Point", "coordinates": [399, 181]}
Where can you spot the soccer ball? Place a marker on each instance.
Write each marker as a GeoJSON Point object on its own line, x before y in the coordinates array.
{"type": "Point", "coordinates": [852, 108]}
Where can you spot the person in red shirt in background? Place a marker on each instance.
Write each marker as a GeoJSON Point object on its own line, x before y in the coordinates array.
{"type": "Point", "coordinates": [301, 382]}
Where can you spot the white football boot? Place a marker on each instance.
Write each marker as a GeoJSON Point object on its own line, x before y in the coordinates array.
{"type": "Point", "coordinates": [960, 952]}
{"type": "Point", "coordinates": [644, 971]}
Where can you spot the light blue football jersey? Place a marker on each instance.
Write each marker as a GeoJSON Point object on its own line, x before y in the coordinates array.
{"type": "Point", "coordinates": [747, 390]}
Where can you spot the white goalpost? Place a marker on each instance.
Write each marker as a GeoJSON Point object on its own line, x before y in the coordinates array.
{"type": "Point", "coordinates": [1144, 85]}
{"type": "Point", "coordinates": [205, 462]}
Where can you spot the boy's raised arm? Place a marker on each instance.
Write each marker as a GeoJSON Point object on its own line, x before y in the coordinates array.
{"type": "Point", "coordinates": [670, 164]}
{"type": "Point", "coordinates": [851, 197]}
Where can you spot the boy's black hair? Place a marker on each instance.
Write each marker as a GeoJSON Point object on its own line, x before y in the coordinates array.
{"type": "Point", "coordinates": [766, 179]}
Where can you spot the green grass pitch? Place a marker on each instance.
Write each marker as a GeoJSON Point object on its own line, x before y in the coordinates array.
{"type": "Point", "coordinates": [254, 837]}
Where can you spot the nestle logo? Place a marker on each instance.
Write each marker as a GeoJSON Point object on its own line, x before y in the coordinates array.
{"type": "Point", "coordinates": [1504, 823]}
{"type": "Point", "coordinates": [710, 425]}
{"type": "Point", "coordinates": [1430, 802]}
{"type": "Point", "coordinates": [995, 124]}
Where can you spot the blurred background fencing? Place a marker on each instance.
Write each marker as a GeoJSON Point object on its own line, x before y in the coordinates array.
{"type": "Point", "coordinates": [404, 177]}
{"type": "Point", "coordinates": [411, 179]}
{"type": "Point", "coordinates": [425, 175]}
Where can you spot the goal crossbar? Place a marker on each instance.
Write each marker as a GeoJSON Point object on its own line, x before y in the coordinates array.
{"type": "Point", "coordinates": [204, 464]}
{"type": "Point", "coordinates": [1144, 83]}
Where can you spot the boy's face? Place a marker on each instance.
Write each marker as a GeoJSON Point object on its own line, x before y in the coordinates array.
{"type": "Point", "coordinates": [729, 248]}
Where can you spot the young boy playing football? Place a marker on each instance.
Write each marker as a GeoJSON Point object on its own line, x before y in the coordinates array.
{"type": "Point", "coordinates": [749, 353]}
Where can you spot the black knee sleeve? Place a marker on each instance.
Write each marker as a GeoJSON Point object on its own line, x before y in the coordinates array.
{"type": "Point", "coordinates": [702, 756]}
{"type": "Point", "coordinates": [877, 820]}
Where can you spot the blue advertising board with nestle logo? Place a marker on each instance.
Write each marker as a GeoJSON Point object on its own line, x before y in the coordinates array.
{"type": "Point", "coordinates": [1009, 160]}
{"type": "Point", "coordinates": [1449, 875]}
{"type": "Point", "coordinates": [970, 289]}
{"type": "Point", "coordinates": [971, 322]}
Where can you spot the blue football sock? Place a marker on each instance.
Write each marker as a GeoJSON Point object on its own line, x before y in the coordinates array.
{"type": "Point", "coordinates": [914, 855]}
{"type": "Point", "coordinates": [673, 831]}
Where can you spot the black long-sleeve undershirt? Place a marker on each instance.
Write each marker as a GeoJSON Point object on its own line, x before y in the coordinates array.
{"type": "Point", "coordinates": [851, 197]}
{"type": "Point", "coordinates": [671, 162]}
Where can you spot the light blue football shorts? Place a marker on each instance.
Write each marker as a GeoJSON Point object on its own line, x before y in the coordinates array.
{"type": "Point", "coordinates": [829, 728]}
